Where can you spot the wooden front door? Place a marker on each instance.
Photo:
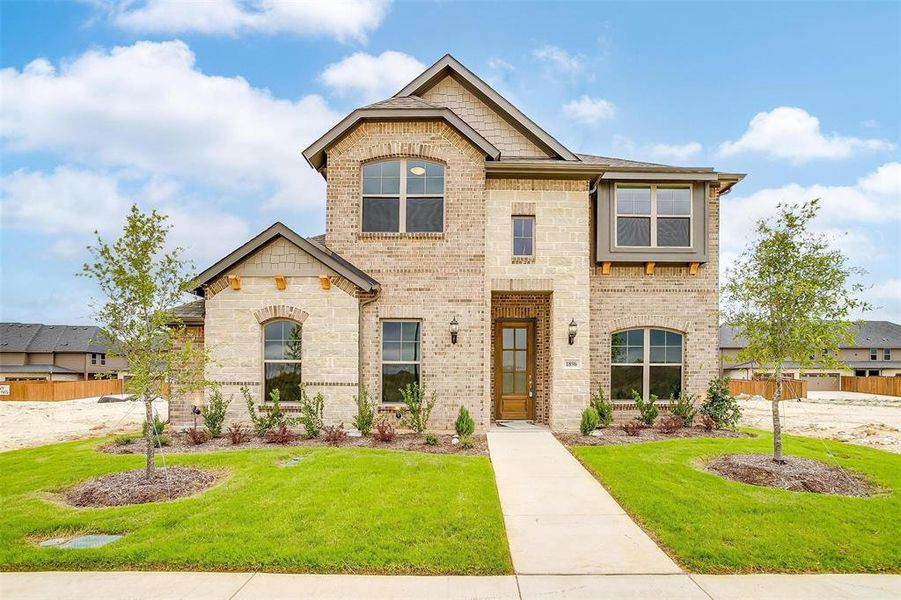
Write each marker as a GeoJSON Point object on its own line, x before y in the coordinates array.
{"type": "Point", "coordinates": [514, 360]}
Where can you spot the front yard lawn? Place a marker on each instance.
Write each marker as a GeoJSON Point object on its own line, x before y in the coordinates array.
{"type": "Point", "coordinates": [712, 525]}
{"type": "Point", "coordinates": [348, 510]}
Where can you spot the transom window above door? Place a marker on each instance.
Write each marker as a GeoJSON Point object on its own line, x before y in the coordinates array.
{"type": "Point", "coordinates": [403, 195]}
{"type": "Point", "coordinates": [648, 361]}
{"type": "Point", "coordinates": [653, 216]}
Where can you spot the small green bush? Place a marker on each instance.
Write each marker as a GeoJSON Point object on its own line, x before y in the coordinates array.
{"type": "Point", "coordinates": [589, 421]}
{"type": "Point", "coordinates": [159, 427]}
{"type": "Point", "coordinates": [720, 405]}
{"type": "Point", "coordinates": [603, 407]}
{"type": "Point", "coordinates": [267, 420]}
{"type": "Point", "coordinates": [466, 442]}
{"type": "Point", "coordinates": [431, 439]}
{"type": "Point", "coordinates": [464, 423]}
{"type": "Point", "coordinates": [647, 411]}
{"type": "Point", "coordinates": [124, 439]}
{"type": "Point", "coordinates": [418, 407]}
{"type": "Point", "coordinates": [311, 412]}
{"type": "Point", "coordinates": [685, 406]}
{"type": "Point", "coordinates": [365, 418]}
{"type": "Point", "coordinates": [213, 413]}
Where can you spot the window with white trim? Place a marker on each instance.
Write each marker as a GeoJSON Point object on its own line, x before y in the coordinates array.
{"type": "Point", "coordinates": [523, 236]}
{"type": "Point", "coordinates": [403, 195]}
{"type": "Point", "coordinates": [653, 215]}
{"type": "Point", "coordinates": [874, 354]}
{"type": "Point", "coordinates": [886, 354]}
{"type": "Point", "coordinates": [282, 345]}
{"type": "Point", "coordinates": [400, 357]}
{"type": "Point", "coordinates": [648, 361]}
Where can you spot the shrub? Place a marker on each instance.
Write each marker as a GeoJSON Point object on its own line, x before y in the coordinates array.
{"type": "Point", "coordinates": [418, 407]}
{"type": "Point", "coordinates": [365, 411]}
{"type": "Point", "coordinates": [280, 434]}
{"type": "Point", "coordinates": [466, 442]}
{"type": "Point", "coordinates": [238, 434]}
{"type": "Point", "coordinates": [647, 410]}
{"type": "Point", "coordinates": [384, 431]}
{"type": "Point", "coordinates": [633, 427]}
{"type": "Point", "coordinates": [671, 424]}
{"type": "Point", "coordinates": [708, 423]}
{"type": "Point", "coordinates": [589, 421]}
{"type": "Point", "coordinates": [311, 412]}
{"type": "Point", "coordinates": [269, 419]}
{"type": "Point", "coordinates": [464, 423]}
{"type": "Point", "coordinates": [603, 407]}
{"type": "Point", "coordinates": [213, 413]}
{"type": "Point", "coordinates": [720, 405]}
{"type": "Point", "coordinates": [684, 406]}
{"type": "Point", "coordinates": [197, 436]}
{"type": "Point", "coordinates": [123, 440]}
{"type": "Point", "coordinates": [431, 439]}
{"type": "Point", "coordinates": [334, 434]}
{"type": "Point", "coordinates": [159, 427]}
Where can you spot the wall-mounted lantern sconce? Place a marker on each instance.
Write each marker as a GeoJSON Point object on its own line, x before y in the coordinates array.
{"type": "Point", "coordinates": [453, 330]}
{"type": "Point", "coordinates": [573, 329]}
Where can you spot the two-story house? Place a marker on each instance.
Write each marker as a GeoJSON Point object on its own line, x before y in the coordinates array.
{"type": "Point", "coordinates": [468, 250]}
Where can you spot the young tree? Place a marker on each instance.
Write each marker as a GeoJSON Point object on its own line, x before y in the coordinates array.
{"type": "Point", "coordinates": [791, 297]}
{"type": "Point", "coordinates": [142, 282]}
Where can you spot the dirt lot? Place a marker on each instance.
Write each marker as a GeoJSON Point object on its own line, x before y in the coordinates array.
{"type": "Point", "coordinates": [24, 424]}
{"type": "Point", "coordinates": [864, 419]}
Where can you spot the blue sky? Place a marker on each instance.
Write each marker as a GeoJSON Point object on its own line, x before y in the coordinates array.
{"type": "Point", "coordinates": [202, 113]}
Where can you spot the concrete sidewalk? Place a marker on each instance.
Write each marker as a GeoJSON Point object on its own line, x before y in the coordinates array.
{"type": "Point", "coordinates": [559, 519]}
{"type": "Point", "coordinates": [252, 586]}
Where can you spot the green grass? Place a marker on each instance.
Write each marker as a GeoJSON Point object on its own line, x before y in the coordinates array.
{"type": "Point", "coordinates": [348, 510]}
{"type": "Point", "coordinates": [712, 525]}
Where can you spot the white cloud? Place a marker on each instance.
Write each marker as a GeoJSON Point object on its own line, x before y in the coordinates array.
{"type": "Point", "coordinates": [887, 290]}
{"type": "Point", "coordinates": [675, 152]}
{"type": "Point", "coordinates": [341, 19]}
{"type": "Point", "coordinates": [586, 109]}
{"type": "Point", "coordinates": [559, 58]}
{"type": "Point", "coordinates": [371, 77]}
{"type": "Point", "coordinates": [499, 64]}
{"type": "Point", "coordinates": [885, 180]}
{"type": "Point", "coordinates": [147, 107]}
{"type": "Point", "coordinates": [794, 134]}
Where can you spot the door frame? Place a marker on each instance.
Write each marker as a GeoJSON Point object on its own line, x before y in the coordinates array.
{"type": "Point", "coordinates": [531, 365]}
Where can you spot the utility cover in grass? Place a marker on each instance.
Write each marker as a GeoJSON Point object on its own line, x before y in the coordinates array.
{"type": "Point", "coordinates": [82, 541]}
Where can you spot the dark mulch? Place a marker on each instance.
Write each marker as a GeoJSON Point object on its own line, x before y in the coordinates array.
{"type": "Point", "coordinates": [133, 487]}
{"type": "Point", "coordinates": [614, 435]}
{"type": "Point", "coordinates": [797, 474]}
{"type": "Point", "coordinates": [180, 443]}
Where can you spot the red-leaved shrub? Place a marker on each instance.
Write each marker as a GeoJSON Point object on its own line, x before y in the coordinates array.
{"type": "Point", "coordinates": [280, 435]}
{"type": "Point", "coordinates": [671, 424]}
{"type": "Point", "coordinates": [384, 431]}
{"type": "Point", "coordinates": [334, 434]}
{"type": "Point", "coordinates": [633, 427]}
{"type": "Point", "coordinates": [708, 423]}
{"type": "Point", "coordinates": [238, 434]}
{"type": "Point", "coordinates": [197, 436]}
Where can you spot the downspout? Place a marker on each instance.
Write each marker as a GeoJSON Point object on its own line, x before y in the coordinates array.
{"type": "Point", "coordinates": [363, 303]}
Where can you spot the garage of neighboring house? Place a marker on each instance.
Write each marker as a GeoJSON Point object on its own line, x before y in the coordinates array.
{"type": "Point", "coordinates": [822, 382]}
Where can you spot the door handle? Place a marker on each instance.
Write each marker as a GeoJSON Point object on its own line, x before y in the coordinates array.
{"type": "Point", "coordinates": [531, 393]}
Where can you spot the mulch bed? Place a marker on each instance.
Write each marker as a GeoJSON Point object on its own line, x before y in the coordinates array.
{"type": "Point", "coordinates": [179, 443]}
{"type": "Point", "coordinates": [133, 487]}
{"type": "Point", "coordinates": [614, 435]}
{"type": "Point", "coordinates": [797, 474]}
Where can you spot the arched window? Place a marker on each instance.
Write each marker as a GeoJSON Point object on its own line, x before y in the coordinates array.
{"type": "Point", "coordinates": [648, 361]}
{"type": "Point", "coordinates": [282, 359]}
{"type": "Point", "coordinates": [403, 195]}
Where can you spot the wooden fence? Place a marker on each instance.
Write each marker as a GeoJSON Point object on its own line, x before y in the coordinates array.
{"type": "Point", "coordinates": [54, 391]}
{"type": "Point", "coordinates": [791, 388]}
{"type": "Point", "coordinates": [887, 386]}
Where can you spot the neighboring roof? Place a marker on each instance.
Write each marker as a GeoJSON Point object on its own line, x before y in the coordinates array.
{"type": "Point", "coordinates": [42, 368]}
{"type": "Point", "coordinates": [34, 337]}
{"type": "Point", "coordinates": [191, 313]}
{"type": "Point", "coordinates": [448, 65]}
{"type": "Point", "coordinates": [870, 334]}
{"type": "Point", "coordinates": [319, 239]}
{"type": "Point", "coordinates": [315, 249]}
{"type": "Point", "coordinates": [850, 364]}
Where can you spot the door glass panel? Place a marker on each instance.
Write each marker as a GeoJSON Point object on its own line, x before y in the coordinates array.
{"type": "Point", "coordinates": [508, 383]}
{"type": "Point", "coordinates": [520, 360]}
{"type": "Point", "coordinates": [508, 338]}
{"type": "Point", "coordinates": [520, 337]}
{"type": "Point", "coordinates": [519, 382]}
{"type": "Point", "coordinates": [508, 359]}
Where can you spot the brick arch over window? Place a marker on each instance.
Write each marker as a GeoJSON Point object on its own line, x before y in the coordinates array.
{"type": "Point", "coordinates": [389, 151]}
{"type": "Point", "coordinates": [280, 311]}
{"type": "Point", "coordinates": [638, 322]}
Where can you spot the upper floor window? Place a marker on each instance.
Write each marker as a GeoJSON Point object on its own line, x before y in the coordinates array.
{"type": "Point", "coordinates": [523, 236]}
{"type": "Point", "coordinates": [103, 359]}
{"type": "Point", "coordinates": [653, 216]}
{"type": "Point", "coordinates": [646, 361]}
{"type": "Point", "coordinates": [886, 354]}
{"type": "Point", "coordinates": [282, 341]}
{"type": "Point", "coordinates": [874, 354]}
{"type": "Point", "coordinates": [93, 359]}
{"type": "Point", "coordinates": [403, 195]}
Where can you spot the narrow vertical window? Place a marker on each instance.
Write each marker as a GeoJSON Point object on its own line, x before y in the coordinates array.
{"type": "Point", "coordinates": [523, 236]}
{"type": "Point", "coordinates": [874, 354]}
{"type": "Point", "coordinates": [887, 354]}
{"type": "Point", "coordinates": [400, 357]}
{"type": "Point", "coordinates": [282, 345]}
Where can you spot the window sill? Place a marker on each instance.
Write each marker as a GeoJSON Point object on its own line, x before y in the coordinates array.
{"type": "Point", "coordinates": [391, 406]}
{"type": "Point", "coordinates": [403, 235]}
{"type": "Point", "coordinates": [522, 260]}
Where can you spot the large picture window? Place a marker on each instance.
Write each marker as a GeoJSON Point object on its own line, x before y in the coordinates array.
{"type": "Point", "coordinates": [404, 195]}
{"type": "Point", "coordinates": [282, 359]}
{"type": "Point", "coordinates": [648, 361]}
{"type": "Point", "coordinates": [653, 216]}
{"type": "Point", "coordinates": [400, 357]}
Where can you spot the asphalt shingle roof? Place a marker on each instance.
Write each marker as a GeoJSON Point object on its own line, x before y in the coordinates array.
{"type": "Point", "coordinates": [34, 337]}
{"type": "Point", "coordinates": [870, 334]}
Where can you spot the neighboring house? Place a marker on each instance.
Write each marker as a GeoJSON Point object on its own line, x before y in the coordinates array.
{"type": "Point", "coordinates": [29, 351]}
{"type": "Point", "coordinates": [468, 250]}
{"type": "Point", "coordinates": [876, 351]}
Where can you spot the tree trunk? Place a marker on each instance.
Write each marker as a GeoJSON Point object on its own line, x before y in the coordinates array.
{"type": "Point", "coordinates": [777, 425]}
{"type": "Point", "coordinates": [149, 435]}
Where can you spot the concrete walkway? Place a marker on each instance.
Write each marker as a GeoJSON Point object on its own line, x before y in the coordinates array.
{"type": "Point", "coordinates": [252, 586]}
{"type": "Point", "coordinates": [559, 519]}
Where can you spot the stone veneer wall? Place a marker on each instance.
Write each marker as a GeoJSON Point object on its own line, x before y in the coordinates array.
{"type": "Point", "coordinates": [669, 298]}
{"type": "Point", "coordinates": [432, 277]}
{"type": "Point", "coordinates": [560, 266]}
{"type": "Point", "coordinates": [233, 329]}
